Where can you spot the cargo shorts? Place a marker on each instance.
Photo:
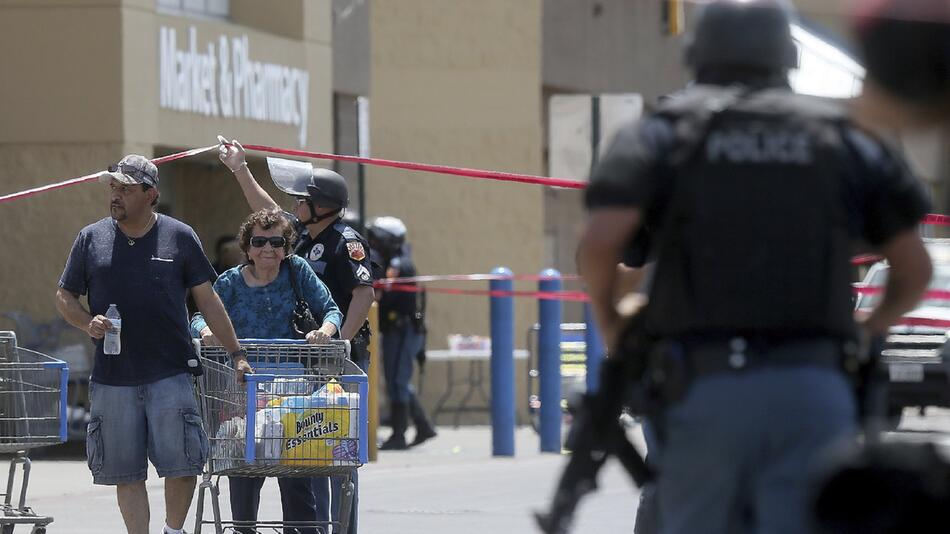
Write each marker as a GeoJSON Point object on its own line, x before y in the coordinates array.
{"type": "Point", "coordinates": [131, 425]}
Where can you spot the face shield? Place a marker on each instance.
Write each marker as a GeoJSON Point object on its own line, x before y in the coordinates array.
{"type": "Point", "coordinates": [291, 177]}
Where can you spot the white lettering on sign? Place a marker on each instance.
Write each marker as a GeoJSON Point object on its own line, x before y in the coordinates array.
{"type": "Point", "coordinates": [227, 83]}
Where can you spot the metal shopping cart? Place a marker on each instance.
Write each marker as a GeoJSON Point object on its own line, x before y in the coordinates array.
{"type": "Point", "coordinates": [573, 372]}
{"type": "Point", "coordinates": [303, 413]}
{"type": "Point", "coordinates": [32, 414]}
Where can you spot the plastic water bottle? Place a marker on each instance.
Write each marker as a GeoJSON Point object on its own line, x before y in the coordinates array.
{"type": "Point", "coordinates": [113, 343]}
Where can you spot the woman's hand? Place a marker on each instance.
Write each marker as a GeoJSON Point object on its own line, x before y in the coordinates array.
{"type": "Point", "coordinates": [232, 154]}
{"type": "Point", "coordinates": [209, 339]}
{"type": "Point", "coordinates": [315, 337]}
{"type": "Point", "coordinates": [322, 335]}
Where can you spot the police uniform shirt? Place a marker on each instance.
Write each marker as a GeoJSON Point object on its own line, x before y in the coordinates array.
{"type": "Point", "coordinates": [397, 304]}
{"type": "Point", "coordinates": [772, 195]}
{"type": "Point", "coordinates": [340, 257]}
{"type": "Point", "coordinates": [883, 198]}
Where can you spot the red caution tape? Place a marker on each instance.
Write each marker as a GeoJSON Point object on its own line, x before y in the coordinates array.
{"type": "Point", "coordinates": [940, 220]}
{"type": "Point", "coordinates": [924, 321]}
{"type": "Point", "coordinates": [865, 258]}
{"type": "Point", "coordinates": [95, 176]}
{"type": "Point", "coordinates": [409, 284]}
{"type": "Point", "coordinates": [50, 187]}
{"type": "Point", "coordinates": [473, 278]}
{"type": "Point", "coordinates": [426, 167]}
{"type": "Point", "coordinates": [572, 296]}
{"type": "Point", "coordinates": [933, 294]}
{"type": "Point", "coordinates": [185, 154]}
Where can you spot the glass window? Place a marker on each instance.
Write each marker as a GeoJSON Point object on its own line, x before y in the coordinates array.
{"type": "Point", "coordinates": [220, 8]}
{"type": "Point", "coordinates": [217, 9]}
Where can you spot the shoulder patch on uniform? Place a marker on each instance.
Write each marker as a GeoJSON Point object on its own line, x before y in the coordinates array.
{"type": "Point", "coordinates": [346, 231]}
{"type": "Point", "coordinates": [356, 250]}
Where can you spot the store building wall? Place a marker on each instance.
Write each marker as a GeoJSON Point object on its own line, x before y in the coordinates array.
{"type": "Point", "coordinates": [459, 83]}
{"type": "Point", "coordinates": [85, 89]}
{"type": "Point", "coordinates": [595, 47]}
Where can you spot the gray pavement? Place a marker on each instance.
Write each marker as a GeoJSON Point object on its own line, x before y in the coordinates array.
{"type": "Point", "coordinates": [450, 484]}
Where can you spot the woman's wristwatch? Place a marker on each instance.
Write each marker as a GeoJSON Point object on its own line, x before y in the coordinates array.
{"type": "Point", "coordinates": [240, 353]}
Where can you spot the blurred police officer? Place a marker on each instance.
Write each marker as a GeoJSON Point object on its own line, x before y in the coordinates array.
{"type": "Point", "coordinates": [402, 325]}
{"type": "Point", "coordinates": [338, 253]}
{"type": "Point", "coordinates": [754, 196]}
{"type": "Point", "coordinates": [905, 46]}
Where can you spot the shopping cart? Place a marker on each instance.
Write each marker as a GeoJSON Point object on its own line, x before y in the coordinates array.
{"type": "Point", "coordinates": [32, 414]}
{"type": "Point", "coordinates": [303, 413]}
{"type": "Point", "coordinates": [573, 372]}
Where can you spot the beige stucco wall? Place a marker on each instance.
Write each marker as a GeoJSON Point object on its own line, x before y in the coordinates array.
{"type": "Point", "coordinates": [60, 72]}
{"type": "Point", "coordinates": [83, 89]}
{"type": "Point", "coordinates": [61, 119]}
{"type": "Point", "coordinates": [459, 83]}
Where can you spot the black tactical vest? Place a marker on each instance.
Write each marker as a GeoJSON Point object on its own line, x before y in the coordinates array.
{"type": "Point", "coordinates": [754, 239]}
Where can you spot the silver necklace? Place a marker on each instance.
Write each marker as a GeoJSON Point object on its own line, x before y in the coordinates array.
{"type": "Point", "coordinates": [147, 228]}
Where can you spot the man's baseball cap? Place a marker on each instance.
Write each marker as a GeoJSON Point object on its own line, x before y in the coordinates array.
{"type": "Point", "coordinates": [132, 169]}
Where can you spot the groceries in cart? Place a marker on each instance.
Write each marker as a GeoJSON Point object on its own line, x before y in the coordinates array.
{"type": "Point", "coordinates": [294, 428]}
{"type": "Point", "coordinates": [302, 413]}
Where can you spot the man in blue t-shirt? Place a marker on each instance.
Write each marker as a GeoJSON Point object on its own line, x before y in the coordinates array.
{"type": "Point", "coordinates": [142, 399]}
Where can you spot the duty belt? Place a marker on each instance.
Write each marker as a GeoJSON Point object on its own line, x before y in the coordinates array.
{"type": "Point", "coordinates": [737, 354]}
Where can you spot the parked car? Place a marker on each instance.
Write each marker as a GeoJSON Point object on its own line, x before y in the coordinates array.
{"type": "Point", "coordinates": [916, 353]}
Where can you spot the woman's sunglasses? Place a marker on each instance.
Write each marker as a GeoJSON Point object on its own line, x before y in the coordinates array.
{"type": "Point", "coordinates": [259, 241]}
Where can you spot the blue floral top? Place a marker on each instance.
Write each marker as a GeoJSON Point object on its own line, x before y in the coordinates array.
{"type": "Point", "coordinates": [264, 312]}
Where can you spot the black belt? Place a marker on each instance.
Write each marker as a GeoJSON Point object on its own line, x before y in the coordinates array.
{"type": "Point", "coordinates": [737, 354]}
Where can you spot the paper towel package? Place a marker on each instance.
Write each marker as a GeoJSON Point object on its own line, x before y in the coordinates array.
{"type": "Point", "coordinates": [321, 429]}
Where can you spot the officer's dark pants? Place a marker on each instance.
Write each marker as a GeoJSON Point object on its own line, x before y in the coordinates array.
{"type": "Point", "coordinates": [359, 353]}
{"type": "Point", "coordinates": [738, 450]}
{"type": "Point", "coordinates": [400, 346]}
{"type": "Point", "coordinates": [301, 498]}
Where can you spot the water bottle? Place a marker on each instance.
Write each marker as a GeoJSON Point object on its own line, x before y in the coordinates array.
{"type": "Point", "coordinates": [113, 343]}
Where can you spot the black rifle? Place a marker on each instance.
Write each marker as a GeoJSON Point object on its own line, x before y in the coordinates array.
{"type": "Point", "coordinates": [869, 377]}
{"type": "Point", "coordinates": [597, 433]}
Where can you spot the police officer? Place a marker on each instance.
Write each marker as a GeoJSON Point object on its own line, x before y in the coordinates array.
{"type": "Point", "coordinates": [338, 254]}
{"type": "Point", "coordinates": [905, 46]}
{"type": "Point", "coordinates": [402, 325]}
{"type": "Point", "coordinates": [754, 196]}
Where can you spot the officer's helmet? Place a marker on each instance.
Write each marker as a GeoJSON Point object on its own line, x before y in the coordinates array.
{"type": "Point", "coordinates": [323, 187]}
{"type": "Point", "coordinates": [327, 189]}
{"type": "Point", "coordinates": [750, 34]}
{"type": "Point", "coordinates": [387, 234]}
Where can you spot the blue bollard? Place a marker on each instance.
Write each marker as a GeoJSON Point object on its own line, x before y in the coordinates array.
{"type": "Point", "coordinates": [502, 366]}
{"type": "Point", "coordinates": [594, 347]}
{"type": "Point", "coordinates": [549, 363]}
